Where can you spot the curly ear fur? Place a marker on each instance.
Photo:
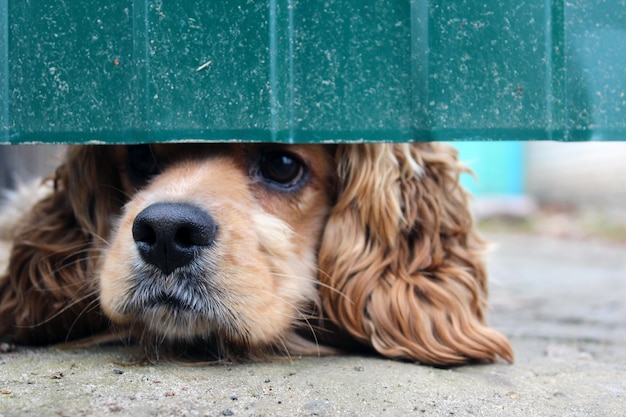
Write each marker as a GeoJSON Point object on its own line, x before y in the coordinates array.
{"type": "Point", "coordinates": [49, 282]}
{"type": "Point", "coordinates": [400, 259]}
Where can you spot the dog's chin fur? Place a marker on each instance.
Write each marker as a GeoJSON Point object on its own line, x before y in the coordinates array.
{"type": "Point", "coordinates": [368, 246]}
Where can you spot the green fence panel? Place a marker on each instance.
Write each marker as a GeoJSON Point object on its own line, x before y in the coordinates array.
{"type": "Point", "coordinates": [311, 71]}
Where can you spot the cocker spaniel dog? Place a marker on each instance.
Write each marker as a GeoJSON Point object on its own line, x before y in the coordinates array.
{"type": "Point", "coordinates": [246, 251]}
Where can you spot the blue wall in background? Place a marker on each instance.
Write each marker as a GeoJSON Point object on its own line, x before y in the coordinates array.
{"type": "Point", "coordinates": [498, 165]}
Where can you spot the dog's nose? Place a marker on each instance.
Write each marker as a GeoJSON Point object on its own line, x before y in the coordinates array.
{"type": "Point", "coordinates": [170, 235]}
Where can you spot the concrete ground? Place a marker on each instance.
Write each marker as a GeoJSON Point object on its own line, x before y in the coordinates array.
{"type": "Point", "coordinates": [563, 304]}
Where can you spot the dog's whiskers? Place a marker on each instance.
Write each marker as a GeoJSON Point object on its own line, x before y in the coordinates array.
{"type": "Point", "coordinates": [284, 344]}
{"type": "Point", "coordinates": [301, 316]}
{"type": "Point", "coordinates": [314, 281]}
{"type": "Point", "coordinates": [65, 308]}
{"type": "Point", "coordinates": [92, 305]}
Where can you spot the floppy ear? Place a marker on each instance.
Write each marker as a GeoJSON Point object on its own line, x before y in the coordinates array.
{"type": "Point", "coordinates": [402, 260]}
{"type": "Point", "coordinates": [48, 292]}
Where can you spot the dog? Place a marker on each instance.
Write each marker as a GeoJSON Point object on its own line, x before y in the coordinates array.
{"type": "Point", "coordinates": [245, 251]}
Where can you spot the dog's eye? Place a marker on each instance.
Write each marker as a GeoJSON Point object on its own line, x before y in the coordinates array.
{"type": "Point", "coordinates": [282, 168]}
{"type": "Point", "coordinates": [142, 163]}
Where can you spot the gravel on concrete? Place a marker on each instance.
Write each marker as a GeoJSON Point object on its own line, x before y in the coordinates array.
{"type": "Point", "coordinates": [562, 303]}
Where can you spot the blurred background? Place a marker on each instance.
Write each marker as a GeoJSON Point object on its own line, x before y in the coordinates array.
{"type": "Point", "coordinates": [573, 189]}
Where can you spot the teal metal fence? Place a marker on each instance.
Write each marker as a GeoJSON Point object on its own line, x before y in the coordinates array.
{"type": "Point", "coordinates": [311, 71]}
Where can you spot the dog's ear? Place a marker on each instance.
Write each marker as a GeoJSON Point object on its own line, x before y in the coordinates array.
{"type": "Point", "coordinates": [400, 261]}
{"type": "Point", "coordinates": [48, 293]}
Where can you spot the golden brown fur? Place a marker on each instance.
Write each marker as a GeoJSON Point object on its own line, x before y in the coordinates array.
{"type": "Point", "coordinates": [372, 245]}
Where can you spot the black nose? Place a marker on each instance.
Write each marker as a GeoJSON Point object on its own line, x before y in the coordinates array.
{"type": "Point", "coordinates": [170, 235]}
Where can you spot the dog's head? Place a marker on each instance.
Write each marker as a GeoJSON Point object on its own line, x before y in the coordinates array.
{"type": "Point", "coordinates": [251, 248]}
{"type": "Point", "coordinates": [217, 241]}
